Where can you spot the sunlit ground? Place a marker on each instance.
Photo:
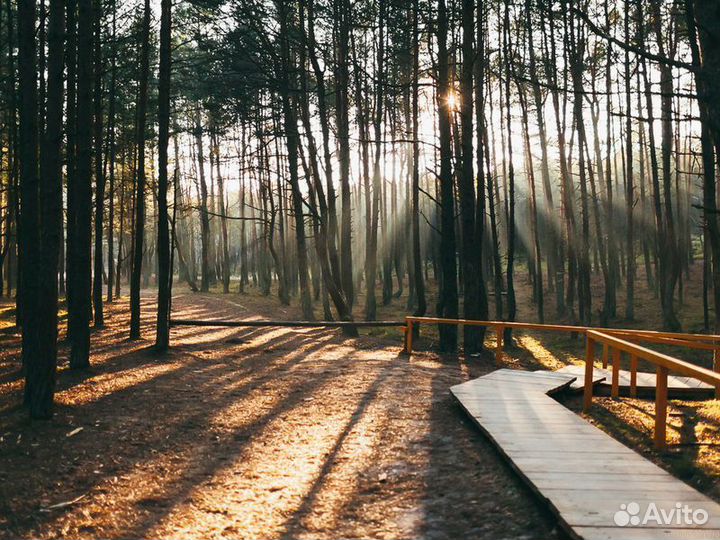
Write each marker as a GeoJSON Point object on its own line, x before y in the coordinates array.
{"type": "Point", "coordinates": [255, 433]}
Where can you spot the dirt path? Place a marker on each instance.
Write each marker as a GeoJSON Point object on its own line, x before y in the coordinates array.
{"type": "Point", "coordinates": [261, 433]}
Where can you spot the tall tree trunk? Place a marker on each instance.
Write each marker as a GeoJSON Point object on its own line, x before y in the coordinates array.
{"type": "Point", "coordinates": [466, 185]}
{"type": "Point", "coordinates": [371, 248]}
{"type": "Point", "coordinates": [482, 155]}
{"type": "Point", "coordinates": [204, 216]}
{"type": "Point", "coordinates": [320, 91]}
{"type": "Point", "coordinates": [37, 397]}
{"type": "Point", "coordinates": [139, 233]}
{"type": "Point", "coordinates": [99, 172]}
{"type": "Point", "coordinates": [421, 306]}
{"type": "Point", "coordinates": [81, 314]}
{"type": "Point", "coordinates": [538, 293]}
{"type": "Point", "coordinates": [342, 77]}
{"type": "Point", "coordinates": [669, 256]}
{"type": "Point", "coordinates": [510, 268]}
{"type": "Point", "coordinates": [610, 303]}
{"type": "Point", "coordinates": [121, 232]}
{"type": "Point", "coordinates": [448, 296]}
{"type": "Point", "coordinates": [40, 377]}
{"type": "Point", "coordinates": [111, 159]}
{"type": "Point", "coordinates": [288, 74]}
{"type": "Point", "coordinates": [71, 157]}
{"type": "Point", "coordinates": [577, 52]}
{"type": "Point", "coordinates": [629, 188]}
{"type": "Point", "coordinates": [162, 336]}
{"type": "Point", "coordinates": [703, 18]}
{"type": "Point", "coordinates": [225, 262]}
{"type": "Point", "coordinates": [29, 238]}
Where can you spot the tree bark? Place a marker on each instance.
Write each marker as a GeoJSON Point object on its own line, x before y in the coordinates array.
{"type": "Point", "coordinates": [139, 233]}
{"type": "Point", "coordinates": [342, 76]}
{"type": "Point", "coordinates": [99, 172]}
{"type": "Point", "coordinates": [162, 336]}
{"type": "Point", "coordinates": [448, 296]}
{"type": "Point", "coordinates": [421, 306]}
{"type": "Point", "coordinates": [79, 317]}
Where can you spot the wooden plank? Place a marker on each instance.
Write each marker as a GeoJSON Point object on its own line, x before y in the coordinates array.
{"type": "Point", "coordinates": [574, 463]}
{"type": "Point", "coordinates": [579, 373]}
{"type": "Point", "coordinates": [582, 473]}
{"type": "Point", "coordinates": [549, 482]}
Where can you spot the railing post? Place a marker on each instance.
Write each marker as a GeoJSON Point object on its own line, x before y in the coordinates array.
{"type": "Point", "coordinates": [408, 336]}
{"type": "Point", "coordinates": [499, 331]}
{"type": "Point", "coordinates": [615, 389]}
{"type": "Point", "coordinates": [606, 351]}
{"type": "Point", "coordinates": [633, 375]}
{"type": "Point", "coordinates": [716, 369]}
{"type": "Point", "coordinates": [661, 408]}
{"type": "Point", "coordinates": [589, 369]}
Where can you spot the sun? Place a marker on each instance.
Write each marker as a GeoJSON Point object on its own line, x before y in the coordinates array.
{"type": "Point", "coordinates": [453, 101]}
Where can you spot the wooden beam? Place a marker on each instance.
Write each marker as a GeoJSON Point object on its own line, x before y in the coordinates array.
{"type": "Point", "coordinates": [606, 351]}
{"type": "Point", "coordinates": [409, 337]}
{"type": "Point", "coordinates": [661, 391]}
{"type": "Point", "coordinates": [589, 368]}
{"type": "Point", "coordinates": [615, 389]}
{"type": "Point", "coordinates": [286, 324]}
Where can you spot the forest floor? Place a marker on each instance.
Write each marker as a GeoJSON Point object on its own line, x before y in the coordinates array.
{"type": "Point", "coordinates": [272, 433]}
{"type": "Point", "coordinates": [260, 433]}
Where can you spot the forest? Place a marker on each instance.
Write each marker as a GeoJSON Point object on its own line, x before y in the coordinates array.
{"type": "Point", "coordinates": [331, 154]}
{"type": "Point", "coordinates": [354, 161]}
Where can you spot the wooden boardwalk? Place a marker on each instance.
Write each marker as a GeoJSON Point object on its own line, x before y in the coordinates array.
{"type": "Point", "coordinates": [582, 473]}
{"type": "Point", "coordinates": [677, 385]}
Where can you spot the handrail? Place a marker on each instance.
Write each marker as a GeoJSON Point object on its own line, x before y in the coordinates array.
{"type": "Point", "coordinates": [664, 364]}
{"type": "Point", "coordinates": [619, 340]}
{"type": "Point", "coordinates": [657, 358]}
{"type": "Point", "coordinates": [285, 324]}
{"type": "Point", "coordinates": [691, 341]}
{"type": "Point", "coordinates": [713, 338]}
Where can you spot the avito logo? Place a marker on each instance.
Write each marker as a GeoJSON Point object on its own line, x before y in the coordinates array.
{"type": "Point", "coordinates": [680, 514]}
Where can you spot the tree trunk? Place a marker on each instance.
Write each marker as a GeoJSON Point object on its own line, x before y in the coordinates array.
{"type": "Point", "coordinates": [111, 160]}
{"type": "Point", "coordinates": [99, 172]}
{"type": "Point", "coordinates": [139, 233]}
{"type": "Point", "coordinates": [704, 24]}
{"type": "Point", "coordinates": [466, 185]}
{"type": "Point", "coordinates": [421, 306]}
{"type": "Point", "coordinates": [372, 245]}
{"type": "Point", "coordinates": [342, 77]}
{"type": "Point", "coordinates": [448, 296]}
{"type": "Point", "coordinates": [510, 268]}
{"type": "Point", "coordinates": [79, 317]}
{"type": "Point", "coordinates": [225, 262]}
{"type": "Point", "coordinates": [162, 337]}
{"type": "Point", "coordinates": [204, 217]}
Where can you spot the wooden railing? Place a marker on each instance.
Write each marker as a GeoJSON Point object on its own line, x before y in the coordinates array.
{"type": "Point", "coordinates": [690, 341]}
{"type": "Point", "coordinates": [664, 364]}
{"type": "Point", "coordinates": [615, 341]}
{"type": "Point", "coordinates": [285, 324]}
